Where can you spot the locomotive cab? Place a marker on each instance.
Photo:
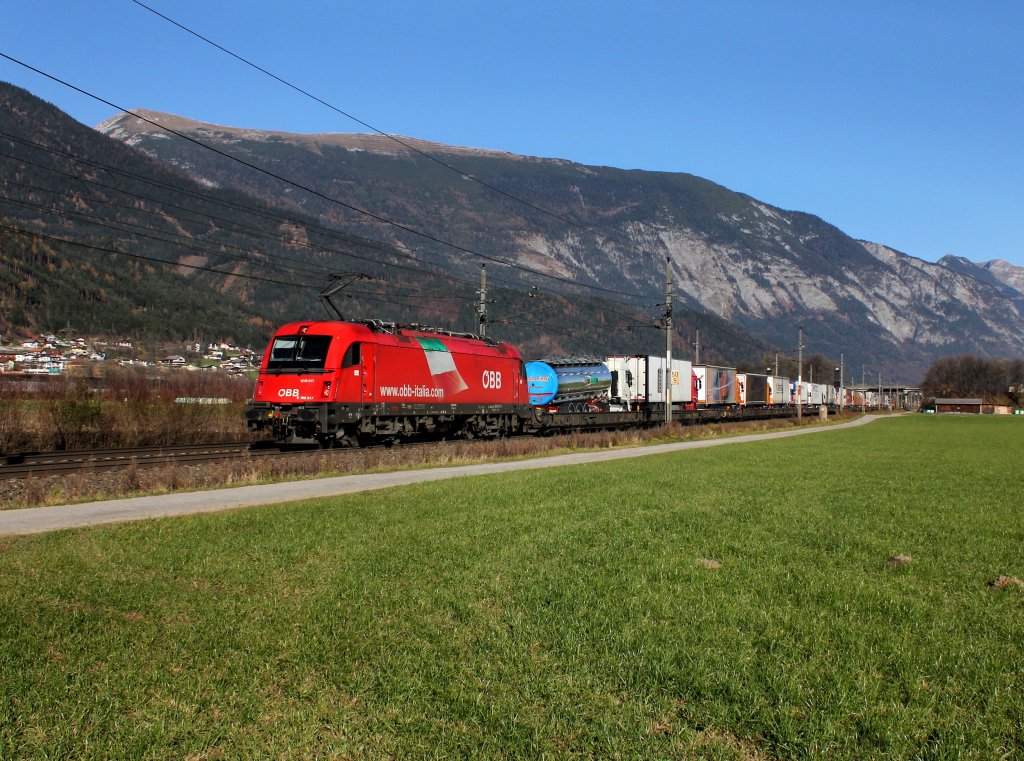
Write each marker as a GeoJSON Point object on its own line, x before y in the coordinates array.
{"type": "Point", "coordinates": [306, 366]}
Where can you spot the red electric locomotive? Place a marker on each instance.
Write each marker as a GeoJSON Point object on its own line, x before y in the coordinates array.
{"type": "Point", "coordinates": [342, 383]}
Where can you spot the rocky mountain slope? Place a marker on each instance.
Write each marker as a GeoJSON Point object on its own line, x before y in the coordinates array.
{"type": "Point", "coordinates": [765, 270]}
{"type": "Point", "coordinates": [1006, 273]}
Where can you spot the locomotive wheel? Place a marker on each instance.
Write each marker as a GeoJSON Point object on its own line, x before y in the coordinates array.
{"type": "Point", "coordinates": [348, 437]}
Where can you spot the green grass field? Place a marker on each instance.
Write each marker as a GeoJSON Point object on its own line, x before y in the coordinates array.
{"type": "Point", "coordinates": [571, 612]}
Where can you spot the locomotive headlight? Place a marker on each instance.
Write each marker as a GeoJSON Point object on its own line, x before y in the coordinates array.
{"type": "Point", "coordinates": [326, 390]}
{"type": "Point", "coordinates": [259, 388]}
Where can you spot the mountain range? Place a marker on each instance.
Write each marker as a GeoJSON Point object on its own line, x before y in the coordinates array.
{"type": "Point", "coordinates": [580, 266]}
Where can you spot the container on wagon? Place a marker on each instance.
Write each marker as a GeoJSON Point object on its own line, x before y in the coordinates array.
{"type": "Point", "coordinates": [779, 393]}
{"type": "Point", "coordinates": [639, 380]}
{"type": "Point", "coordinates": [752, 389]}
{"type": "Point", "coordinates": [716, 386]}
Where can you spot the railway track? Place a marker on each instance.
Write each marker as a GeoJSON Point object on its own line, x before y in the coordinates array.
{"type": "Point", "coordinates": [38, 464]}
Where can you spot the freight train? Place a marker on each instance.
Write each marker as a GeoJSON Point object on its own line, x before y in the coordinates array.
{"type": "Point", "coordinates": [341, 383]}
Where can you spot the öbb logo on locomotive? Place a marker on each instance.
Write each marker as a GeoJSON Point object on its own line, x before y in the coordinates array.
{"type": "Point", "coordinates": [491, 379]}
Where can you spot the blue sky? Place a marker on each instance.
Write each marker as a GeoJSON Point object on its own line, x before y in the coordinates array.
{"type": "Point", "coordinates": [899, 122]}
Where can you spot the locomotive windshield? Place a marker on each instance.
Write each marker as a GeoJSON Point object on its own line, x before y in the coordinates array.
{"type": "Point", "coordinates": [299, 353]}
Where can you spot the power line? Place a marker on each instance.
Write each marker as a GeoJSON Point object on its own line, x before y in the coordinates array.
{"type": "Point", "coordinates": [190, 242]}
{"type": "Point", "coordinates": [508, 320]}
{"type": "Point", "coordinates": [54, 239]}
{"type": "Point", "coordinates": [328, 232]}
{"type": "Point", "coordinates": [318, 194]}
{"type": "Point", "coordinates": [249, 230]}
{"type": "Point", "coordinates": [391, 300]}
{"type": "Point", "coordinates": [399, 141]}
{"type": "Point", "coordinates": [263, 214]}
{"type": "Point", "coordinates": [192, 246]}
{"type": "Point", "coordinates": [328, 198]}
{"type": "Point", "coordinates": [266, 214]}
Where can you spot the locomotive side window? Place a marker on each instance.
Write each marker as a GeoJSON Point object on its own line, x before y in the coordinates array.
{"type": "Point", "coordinates": [352, 355]}
{"type": "Point", "coordinates": [299, 353]}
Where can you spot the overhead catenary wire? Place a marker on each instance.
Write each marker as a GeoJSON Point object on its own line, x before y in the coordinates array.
{"type": "Point", "coordinates": [246, 229]}
{"type": "Point", "coordinates": [248, 210]}
{"type": "Point", "coordinates": [389, 299]}
{"type": "Point", "coordinates": [191, 246]}
{"type": "Point", "coordinates": [103, 249]}
{"type": "Point", "coordinates": [94, 247]}
{"type": "Point", "coordinates": [262, 213]}
{"type": "Point", "coordinates": [192, 243]}
{"type": "Point", "coordinates": [327, 232]}
{"type": "Point", "coordinates": [280, 219]}
{"type": "Point", "coordinates": [345, 205]}
{"type": "Point", "coordinates": [265, 212]}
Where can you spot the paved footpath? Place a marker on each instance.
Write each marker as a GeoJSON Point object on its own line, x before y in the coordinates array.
{"type": "Point", "coordinates": [36, 520]}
